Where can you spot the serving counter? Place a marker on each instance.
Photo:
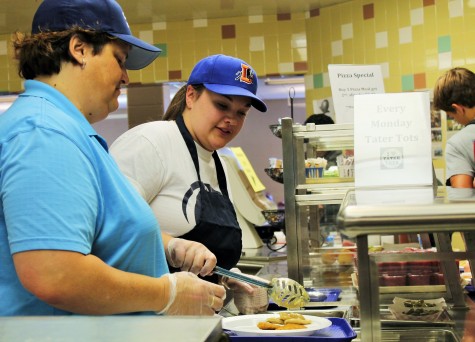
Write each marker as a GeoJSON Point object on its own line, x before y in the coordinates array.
{"type": "Point", "coordinates": [364, 213]}
{"type": "Point", "coordinates": [111, 328]}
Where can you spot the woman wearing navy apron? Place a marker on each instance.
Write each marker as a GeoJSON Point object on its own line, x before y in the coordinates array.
{"type": "Point", "coordinates": [174, 164]}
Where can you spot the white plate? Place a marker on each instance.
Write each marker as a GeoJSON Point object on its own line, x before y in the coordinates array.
{"type": "Point", "coordinates": [246, 325]}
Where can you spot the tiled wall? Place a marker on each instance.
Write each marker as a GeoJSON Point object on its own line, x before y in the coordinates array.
{"type": "Point", "coordinates": [413, 40]}
{"type": "Point", "coordinates": [271, 44]}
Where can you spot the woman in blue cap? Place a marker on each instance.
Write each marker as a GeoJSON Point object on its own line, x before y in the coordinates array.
{"type": "Point", "coordinates": [75, 237]}
{"type": "Point", "coordinates": [174, 164]}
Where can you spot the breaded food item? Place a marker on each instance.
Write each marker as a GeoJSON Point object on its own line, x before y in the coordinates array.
{"type": "Point", "coordinates": [297, 321]}
{"type": "Point", "coordinates": [288, 315]}
{"type": "Point", "coordinates": [291, 327]}
{"type": "Point", "coordinates": [285, 321]}
{"type": "Point", "coordinates": [275, 320]}
{"type": "Point", "coordinates": [267, 326]}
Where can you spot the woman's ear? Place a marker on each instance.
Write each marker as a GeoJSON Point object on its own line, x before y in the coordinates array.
{"type": "Point", "coordinates": [190, 96]}
{"type": "Point", "coordinates": [77, 49]}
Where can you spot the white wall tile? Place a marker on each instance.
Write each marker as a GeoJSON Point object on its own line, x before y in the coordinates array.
{"type": "Point", "coordinates": [347, 31]}
{"type": "Point", "coordinates": [255, 19]}
{"type": "Point", "coordinates": [337, 48]}
{"type": "Point", "coordinates": [405, 35]}
{"type": "Point", "coordinates": [200, 23]}
{"type": "Point", "coordinates": [299, 40]}
{"type": "Point", "coordinates": [146, 36]}
{"type": "Point", "coordinates": [445, 60]}
{"type": "Point", "coordinates": [381, 39]}
{"type": "Point", "coordinates": [417, 16]}
{"type": "Point", "coordinates": [159, 26]}
{"type": "Point", "coordinates": [455, 8]}
{"type": "Point", "coordinates": [256, 43]}
{"type": "Point", "coordinates": [286, 67]}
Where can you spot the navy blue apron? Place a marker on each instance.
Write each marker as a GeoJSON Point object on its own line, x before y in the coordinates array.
{"type": "Point", "coordinates": [216, 224]}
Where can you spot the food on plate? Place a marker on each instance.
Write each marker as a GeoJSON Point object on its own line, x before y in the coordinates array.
{"type": "Point", "coordinates": [417, 309]}
{"type": "Point", "coordinates": [267, 325]}
{"type": "Point", "coordinates": [297, 321]}
{"type": "Point", "coordinates": [291, 326]}
{"type": "Point", "coordinates": [418, 303]}
{"type": "Point", "coordinates": [275, 320]}
{"type": "Point", "coordinates": [420, 312]}
{"type": "Point", "coordinates": [288, 315]}
{"type": "Point", "coordinates": [285, 321]}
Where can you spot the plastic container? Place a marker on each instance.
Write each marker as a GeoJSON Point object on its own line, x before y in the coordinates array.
{"type": "Point", "coordinates": [418, 279]}
{"type": "Point", "coordinates": [314, 172]}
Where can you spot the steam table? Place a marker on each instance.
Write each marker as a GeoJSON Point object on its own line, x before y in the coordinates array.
{"type": "Point", "coordinates": [384, 211]}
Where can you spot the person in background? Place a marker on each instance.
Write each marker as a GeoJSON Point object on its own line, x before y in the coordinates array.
{"type": "Point", "coordinates": [454, 93]}
{"type": "Point", "coordinates": [186, 185]}
{"type": "Point", "coordinates": [75, 236]}
{"type": "Point", "coordinates": [323, 119]}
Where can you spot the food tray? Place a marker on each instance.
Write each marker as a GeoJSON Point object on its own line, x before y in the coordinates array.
{"type": "Point", "coordinates": [339, 331]}
{"type": "Point", "coordinates": [332, 295]}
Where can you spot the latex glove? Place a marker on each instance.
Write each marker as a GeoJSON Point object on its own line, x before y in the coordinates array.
{"type": "Point", "coordinates": [190, 256]}
{"type": "Point", "coordinates": [249, 299]}
{"type": "Point", "coordinates": [190, 295]}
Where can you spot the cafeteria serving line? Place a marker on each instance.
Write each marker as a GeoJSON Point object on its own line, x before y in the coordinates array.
{"type": "Point", "coordinates": [348, 229]}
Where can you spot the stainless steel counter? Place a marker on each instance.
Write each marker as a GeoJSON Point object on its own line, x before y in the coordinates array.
{"type": "Point", "coordinates": [440, 216]}
{"type": "Point", "coordinates": [110, 328]}
{"type": "Point", "coordinates": [461, 326]}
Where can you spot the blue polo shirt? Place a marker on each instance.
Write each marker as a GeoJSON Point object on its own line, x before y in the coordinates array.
{"type": "Point", "coordinates": [61, 190]}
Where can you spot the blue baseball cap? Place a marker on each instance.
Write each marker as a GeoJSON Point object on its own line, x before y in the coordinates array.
{"type": "Point", "coordinates": [227, 75]}
{"type": "Point", "coordinates": [99, 15]}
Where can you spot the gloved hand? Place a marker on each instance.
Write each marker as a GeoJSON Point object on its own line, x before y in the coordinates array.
{"type": "Point", "coordinates": [190, 256]}
{"type": "Point", "coordinates": [249, 299]}
{"type": "Point", "coordinates": [190, 295]}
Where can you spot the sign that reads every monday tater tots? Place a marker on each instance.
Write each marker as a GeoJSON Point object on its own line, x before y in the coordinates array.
{"type": "Point", "coordinates": [392, 137]}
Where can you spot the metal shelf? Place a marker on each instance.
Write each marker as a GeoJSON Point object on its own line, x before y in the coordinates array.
{"type": "Point", "coordinates": [303, 196]}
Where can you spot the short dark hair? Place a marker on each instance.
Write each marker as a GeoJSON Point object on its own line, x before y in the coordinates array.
{"type": "Point", "coordinates": [319, 119]}
{"type": "Point", "coordinates": [456, 86]}
{"type": "Point", "coordinates": [42, 53]}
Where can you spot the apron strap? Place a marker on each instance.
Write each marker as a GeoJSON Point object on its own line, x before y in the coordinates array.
{"type": "Point", "coordinates": [220, 174]}
{"type": "Point", "coordinates": [190, 143]}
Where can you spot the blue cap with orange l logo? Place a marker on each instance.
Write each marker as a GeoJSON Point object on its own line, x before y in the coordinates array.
{"type": "Point", "coordinates": [227, 75]}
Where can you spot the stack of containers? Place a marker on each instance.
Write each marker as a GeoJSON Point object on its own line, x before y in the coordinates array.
{"type": "Point", "coordinates": [409, 273]}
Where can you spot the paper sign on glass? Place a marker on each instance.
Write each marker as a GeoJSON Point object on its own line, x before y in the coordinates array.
{"type": "Point", "coordinates": [248, 169]}
{"type": "Point", "coordinates": [392, 135]}
{"type": "Point", "coordinates": [346, 81]}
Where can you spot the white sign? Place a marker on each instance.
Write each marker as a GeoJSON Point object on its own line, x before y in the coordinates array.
{"type": "Point", "coordinates": [392, 140]}
{"type": "Point", "coordinates": [349, 80]}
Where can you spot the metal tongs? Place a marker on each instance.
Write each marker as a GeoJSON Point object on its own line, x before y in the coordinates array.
{"type": "Point", "coordinates": [285, 292]}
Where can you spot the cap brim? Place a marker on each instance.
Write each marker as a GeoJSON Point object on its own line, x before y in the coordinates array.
{"type": "Point", "coordinates": [141, 54]}
{"type": "Point", "coordinates": [237, 91]}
